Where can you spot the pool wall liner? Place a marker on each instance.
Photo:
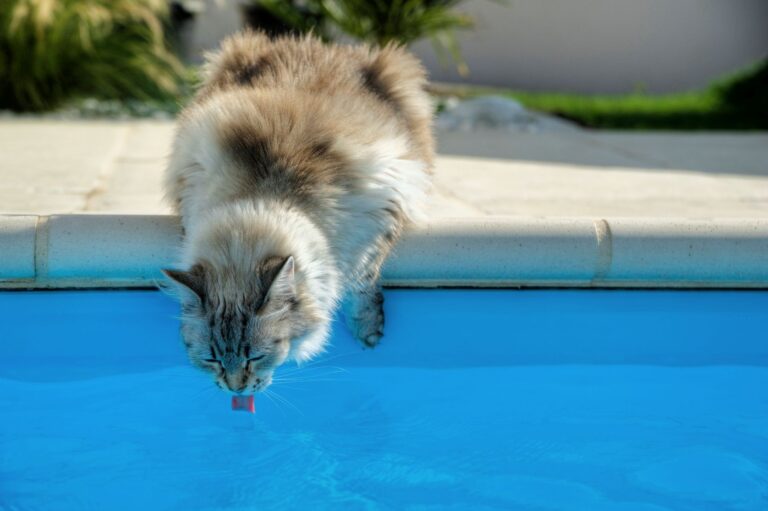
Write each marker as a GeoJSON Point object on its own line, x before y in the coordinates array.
{"type": "Point", "coordinates": [116, 251]}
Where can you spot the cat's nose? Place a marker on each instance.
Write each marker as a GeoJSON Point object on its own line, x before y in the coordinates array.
{"type": "Point", "coordinates": [238, 390]}
{"type": "Point", "coordinates": [235, 387]}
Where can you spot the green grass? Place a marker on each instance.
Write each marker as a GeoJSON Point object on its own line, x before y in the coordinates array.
{"type": "Point", "coordinates": [739, 102]}
{"type": "Point", "coordinates": [692, 111]}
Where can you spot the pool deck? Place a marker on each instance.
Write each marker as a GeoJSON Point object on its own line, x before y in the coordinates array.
{"type": "Point", "coordinates": [51, 167]}
{"type": "Point", "coordinates": [81, 206]}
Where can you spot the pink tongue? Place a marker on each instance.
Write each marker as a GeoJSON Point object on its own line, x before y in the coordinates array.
{"type": "Point", "coordinates": [244, 403]}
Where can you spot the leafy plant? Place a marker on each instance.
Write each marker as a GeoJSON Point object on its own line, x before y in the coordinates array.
{"type": "Point", "coordinates": [735, 102]}
{"type": "Point", "coordinates": [379, 21]}
{"type": "Point", "coordinates": [276, 17]}
{"type": "Point", "coordinates": [746, 90]}
{"type": "Point", "coordinates": [54, 50]}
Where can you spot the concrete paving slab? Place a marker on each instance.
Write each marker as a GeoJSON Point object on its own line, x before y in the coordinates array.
{"type": "Point", "coordinates": [133, 183]}
{"type": "Point", "coordinates": [443, 204]}
{"type": "Point", "coordinates": [719, 153]}
{"type": "Point", "coordinates": [571, 148]}
{"type": "Point", "coordinates": [52, 166]}
{"type": "Point", "coordinates": [501, 187]}
{"type": "Point", "coordinates": [148, 141]}
{"type": "Point", "coordinates": [15, 200]}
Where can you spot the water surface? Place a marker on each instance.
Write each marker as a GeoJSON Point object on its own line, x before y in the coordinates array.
{"type": "Point", "coordinates": [560, 400]}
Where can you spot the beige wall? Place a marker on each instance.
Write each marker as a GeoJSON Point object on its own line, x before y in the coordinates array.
{"type": "Point", "coordinates": [608, 45]}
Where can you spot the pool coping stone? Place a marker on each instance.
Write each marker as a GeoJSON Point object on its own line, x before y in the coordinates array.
{"type": "Point", "coordinates": [128, 251]}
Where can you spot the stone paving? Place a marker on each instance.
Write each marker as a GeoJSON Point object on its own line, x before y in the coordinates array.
{"type": "Point", "coordinates": [51, 166]}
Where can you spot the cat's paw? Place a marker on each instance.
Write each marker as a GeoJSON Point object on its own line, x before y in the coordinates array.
{"type": "Point", "coordinates": [364, 313]}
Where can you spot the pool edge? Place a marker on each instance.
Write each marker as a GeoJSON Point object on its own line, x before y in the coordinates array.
{"type": "Point", "coordinates": [124, 251]}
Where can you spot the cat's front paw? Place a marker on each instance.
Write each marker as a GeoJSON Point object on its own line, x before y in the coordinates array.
{"type": "Point", "coordinates": [364, 313]}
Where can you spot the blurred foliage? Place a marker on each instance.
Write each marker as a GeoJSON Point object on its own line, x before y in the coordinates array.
{"type": "Point", "coordinates": [378, 21]}
{"type": "Point", "coordinates": [738, 102]}
{"type": "Point", "coordinates": [55, 50]}
{"type": "Point", "coordinates": [747, 90]}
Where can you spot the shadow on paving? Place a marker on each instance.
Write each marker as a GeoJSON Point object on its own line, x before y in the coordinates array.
{"type": "Point", "coordinates": [711, 153]}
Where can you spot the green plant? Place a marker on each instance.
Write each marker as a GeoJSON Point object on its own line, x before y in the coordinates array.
{"type": "Point", "coordinates": [735, 102]}
{"type": "Point", "coordinates": [297, 16]}
{"type": "Point", "coordinates": [379, 21]}
{"type": "Point", "coordinates": [746, 90]}
{"type": "Point", "coordinates": [55, 50]}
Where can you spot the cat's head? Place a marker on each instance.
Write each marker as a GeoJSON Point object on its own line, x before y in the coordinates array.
{"type": "Point", "coordinates": [240, 327]}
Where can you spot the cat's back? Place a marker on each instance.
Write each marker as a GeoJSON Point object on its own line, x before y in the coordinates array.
{"type": "Point", "coordinates": [251, 60]}
{"type": "Point", "coordinates": [353, 90]}
{"type": "Point", "coordinates": [298, 118]}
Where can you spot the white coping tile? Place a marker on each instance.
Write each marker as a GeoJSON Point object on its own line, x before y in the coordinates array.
{"type": "Point", "coordinates": [490, 250]}
{"type": "Point", "coordinates": [129, 250]}
{"type": "Point", "coordinates": [17, 247]}
{"type": "Point", "coordinates": [111, 246]}
{"type": "Point", "coordinates": [695, 251]}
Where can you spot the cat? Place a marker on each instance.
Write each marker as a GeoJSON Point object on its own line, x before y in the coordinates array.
{"type": "Point", "coordinates": [294, 169]}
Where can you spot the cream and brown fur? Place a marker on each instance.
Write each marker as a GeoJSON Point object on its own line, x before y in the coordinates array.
{"type": "Point", "coordinates": [294, 170]}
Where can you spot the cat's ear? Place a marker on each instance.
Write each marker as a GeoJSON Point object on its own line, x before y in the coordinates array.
{"type": "Point", "coordinates": [193, 279]}
{"type": "Point", "coordinates": [282, 290]}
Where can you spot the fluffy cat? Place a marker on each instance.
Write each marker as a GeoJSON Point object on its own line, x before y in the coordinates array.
{"type": "Point", "coordinates": [294, 171]}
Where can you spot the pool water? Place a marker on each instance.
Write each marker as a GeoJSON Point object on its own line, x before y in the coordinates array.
{"type": "Point", "coordinates": [561, 400]}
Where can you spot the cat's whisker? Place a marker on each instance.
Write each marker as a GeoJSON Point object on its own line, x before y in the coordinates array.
{"type": "Point", "coordinates": [312, 377]}
{"type": "Point", "coordinates": [318, 368]}
{"type": "Point", "coordinates": [320, 371]}
{"type": "Point", "coordinates": [268, 395]}
{"type": "Point", "coordinates": [315, 374]}
{"type": "Point", "coordinates": [289, 387]}
{"type": "Point", "coordinates": [286, 401]}
{"type": "Point", "coordinates": [207, 390]}
{"type": "Point", "coordinates": [319, 360]}
{"type": "Point", "coordinates": [279, 401]}
{"type": "Point", "coordinates": [319, 378]}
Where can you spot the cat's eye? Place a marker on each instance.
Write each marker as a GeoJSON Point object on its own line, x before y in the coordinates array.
{"type": "Point", "coordinates": [256, 358]}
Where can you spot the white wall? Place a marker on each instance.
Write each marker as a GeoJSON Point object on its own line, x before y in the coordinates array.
{"type": "Point", "coordinates": [578, 45]}
{"type": "Point", "coordinates": [607, 45]}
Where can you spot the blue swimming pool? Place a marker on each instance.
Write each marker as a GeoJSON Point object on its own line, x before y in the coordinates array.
{"type": "Point", "coordinates": [476, 399]}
